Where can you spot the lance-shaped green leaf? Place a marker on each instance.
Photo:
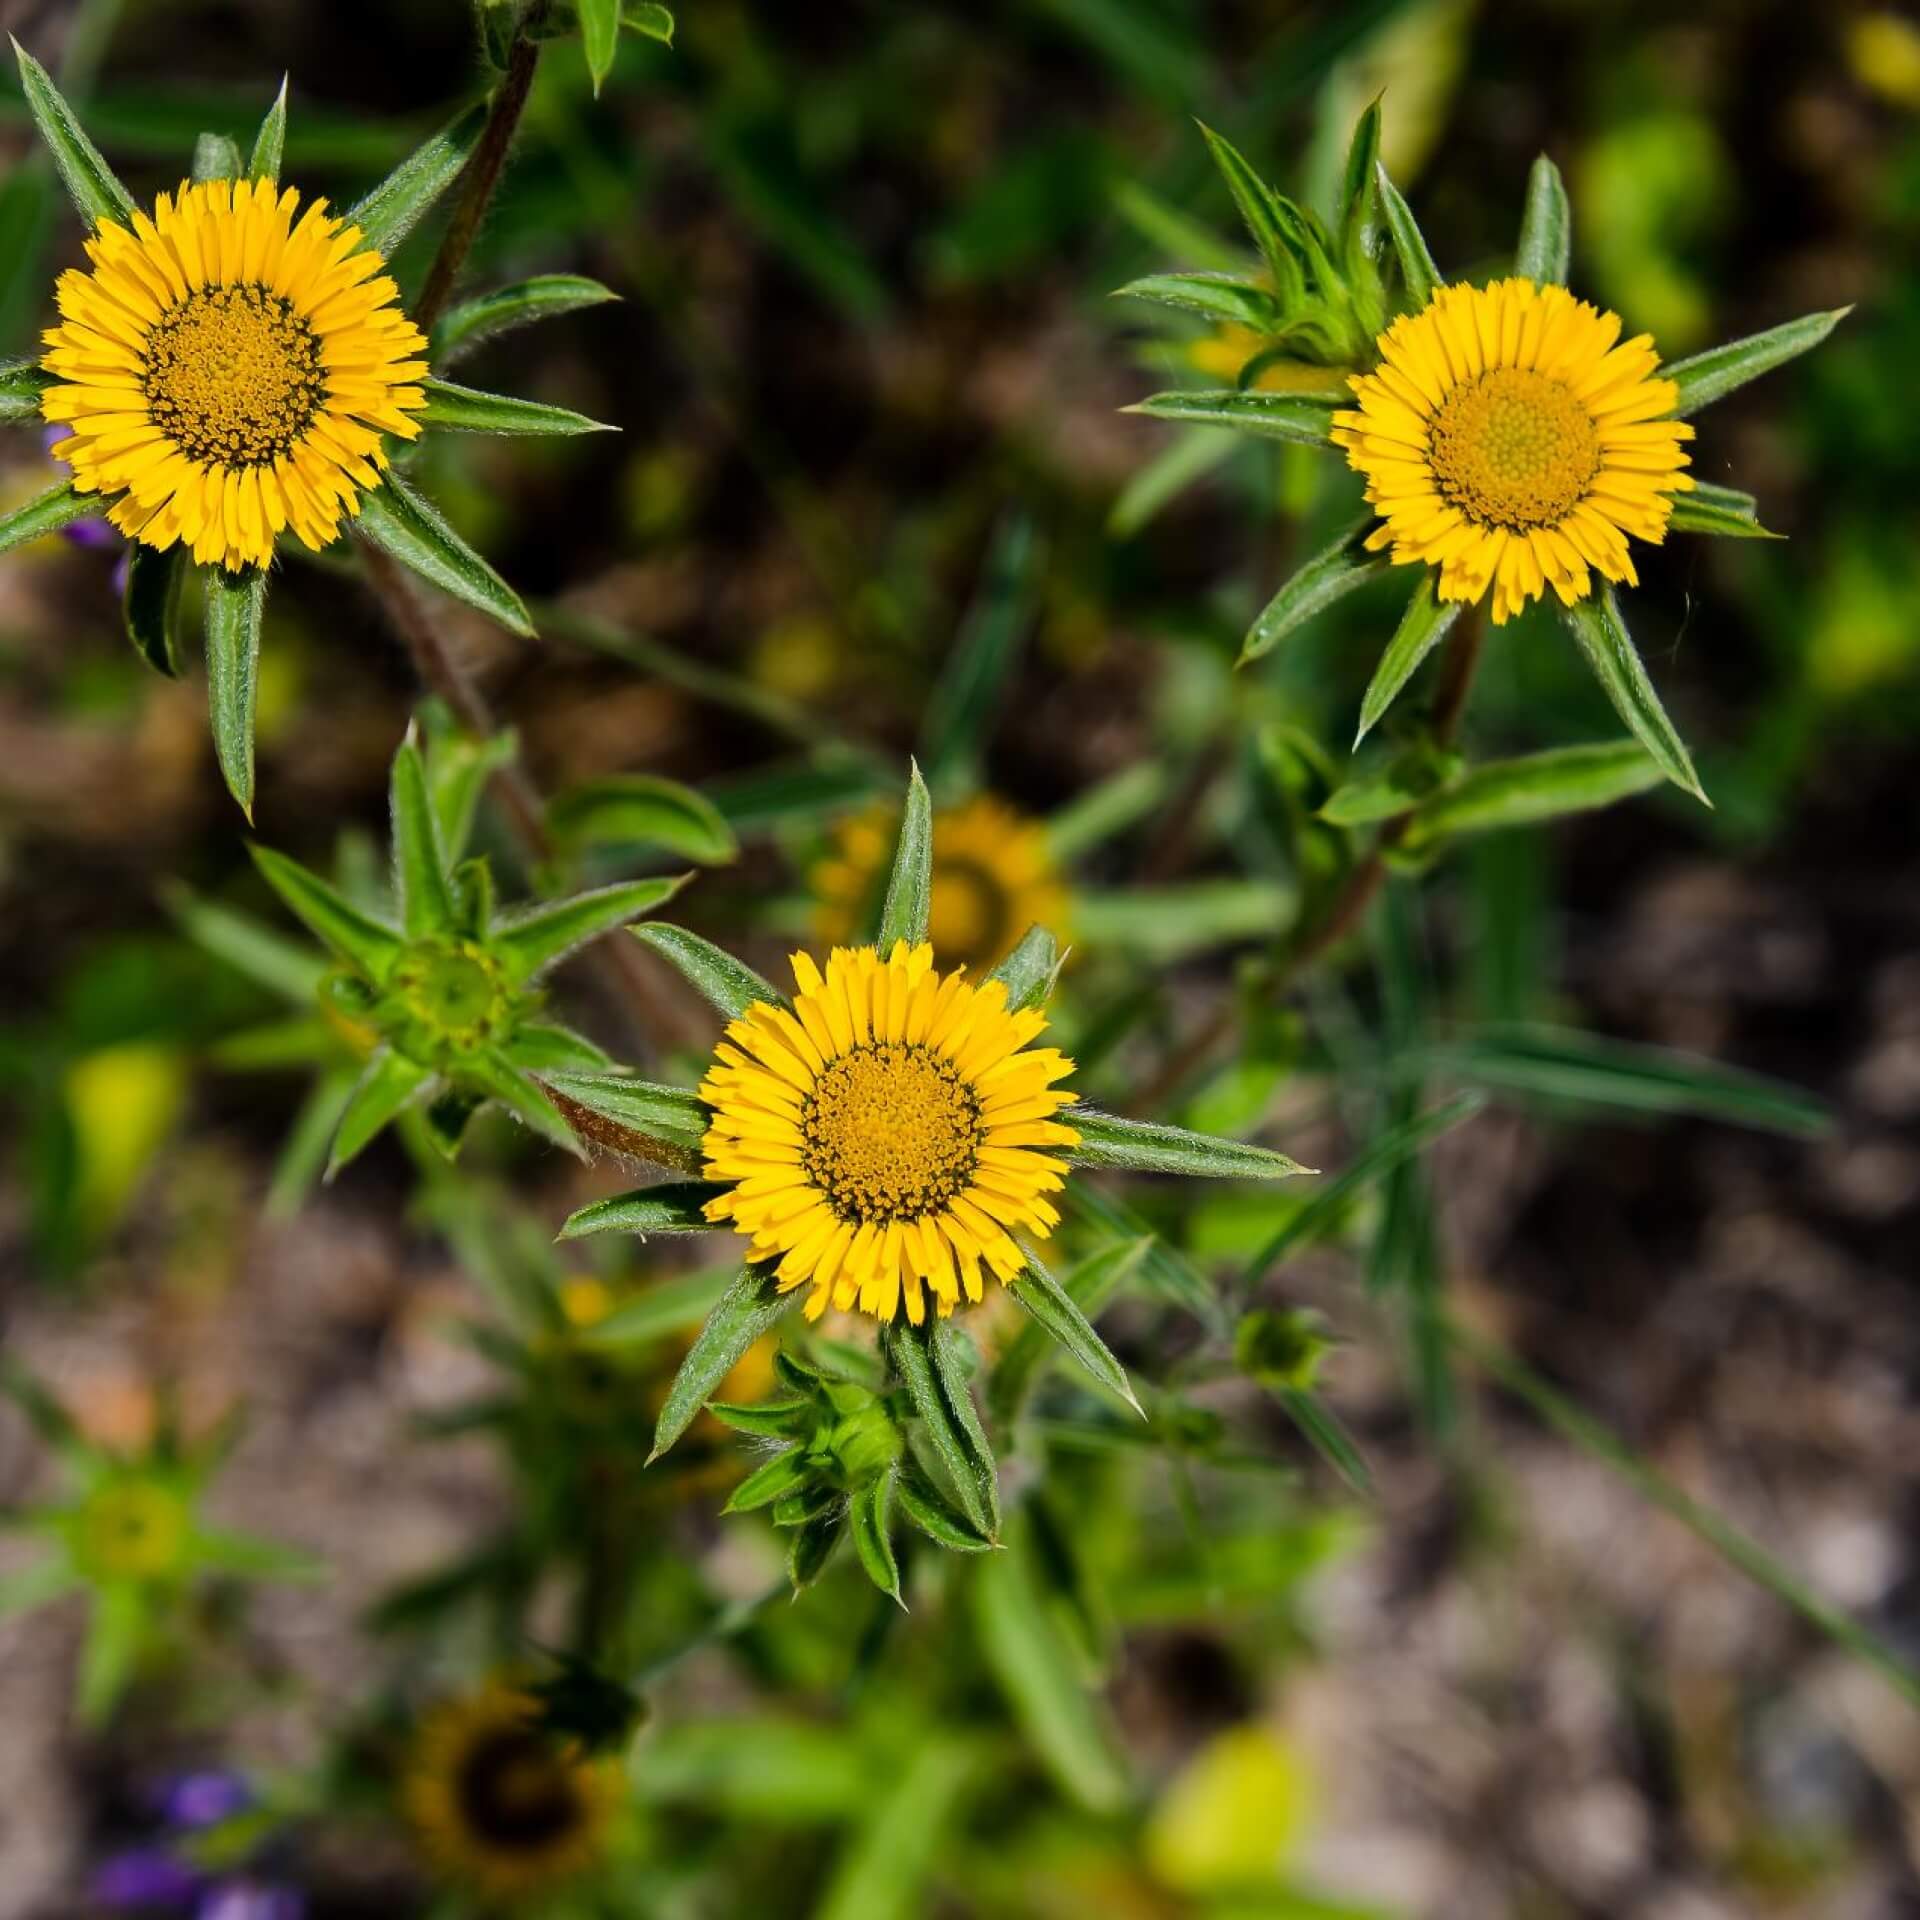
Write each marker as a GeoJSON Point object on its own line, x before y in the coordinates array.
{"type": "Point", "coordinates": [870, 1522]}
{"type": "Point", "coordinates": [390, 1084]}
{"type": "Point", "coordinates": [524, 1098]}
{"type": "Point", "coordinates": [1333, 573]}
{"type": "Point", "coordinates": [1706, 377]}
{"type": "Point", "coordinates": [1421, 627]}
{"type": "Point", "coordinates": [1227, 297]}
{"type": "Point", "coordinates": [929, 1361]}
{"type": "Point", "coordinates": [765, 1419]}
{"type": "Point", "coordinates": [88, 178]}
{"type": "Point", "coordinates": [487, 315]}
{"type": "Point", "coordinates": [785, 1473]}
{"type": "Point", "coordinates": [1106, 1140]}
{"type": "Point", "coordinates": [727, 983]}
{"type": "Point", "coordinates": [236, 607]}
{"type": "Point", "coordinates": [389, 213]}
{"type": "Point", "coordinates": [1541, 786]}
{"type": "Point", "coordinates": [666, 1306]}
{"type": "Point", "coordinates": [21, 384]}
{"type": "Point", "coordinates": [1705, 508]}
{"type": "Point", "coordinates": [270, 143]}
{"type": "Point", "coordinates": [215, 157]}
{"type": "Point", "coordinates": [539, 938]}
{"type": "Point", "coordinates": [1610, 652]}
{"type": "Point", "coordinates": [1324, 1431]}
{"type": "Point", "coordinates": [399, 522]}
{"type": "Point", "coordinates": [1358, 183]}
{"type": "Point", "coordinates": [458, 769]}
{"type": "Point", "coordinates": [1092, 1284]}
{"type": "Point", "coordinates": [599, 37]}
{"type": "Point", "coordinates": [751, 1307]}
{"type": "Point", "coordinates": [1183, 460]}
{"type": "Point", "coordinates": [112, 1652]}
{"type": "Point", "coordinates": [469, 410]}
{"type": "Point", "coordinates": [909, 902]}
{"type": "Point", "coordinates": [1265, 218]}
{"type": "Point", "coordinates": [648, 18]}
{"type": "Point", "coordinates": [934, 1514]}
{"type": "Point", "coordinates": [46, 513]}
{"type": "Point", "coordinates": [1418, 274]}
{"type": "Point", "coordinates": [282, 966]}
{"type": "Point", "coordinates": [1306, 420]}
{"type": "Point", "coordinates": [664, 1125]}
{"type": "Point", "coordinates": [419, 860]}
{"type": "Point", "coordinates": [1029, 971]}
{"type": "Point", "coordinates": [642, 810]}
{"type": "Point", "coordinates": [1545, 252]}
{"type": "Point", "coordinates": [151, 604]}
{"type": "Point", "coordinates": [966, 698]}
{"type": "Point", "coordinates": [1053, 1307]}
{"type": "Point", "coordinates": [675, 1206]}
{"type": "Point", "coordinates": [364, 943]}
{"type": "Point", "coordinates": [549, 1049]}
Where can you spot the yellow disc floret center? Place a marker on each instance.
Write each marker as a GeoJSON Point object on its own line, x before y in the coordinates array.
{"type": "Point", "coordinates": [1514, 449]}
{"type": "Point", "coordinates": [890, 1132]}
{"type": "Point", "coordinates": [234, 376]}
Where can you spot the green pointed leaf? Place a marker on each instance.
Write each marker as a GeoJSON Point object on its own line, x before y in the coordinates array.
{"type": "Point", "coordinates": [21, 385]}
{"type": "Point", "coordinates": [1053, 1307]}
{"type": "Point", "coordinates": [236, 607]}
{"type": "Point", "coordinates": [1306, 420]}
{"type": "Point", "coordinates": [1265, 219]}
{"type": "Point", "coordinates": [1421, 278]}
{"type": "Point", "coordinates": [1029, 971]}
{"type": "Point", "coordinates": [1092, 1285]}
{"type": "Point", "coordinates": [459, 765]}
{"type": "Point", "coordinates": [648, 18]}
{"type": "Point", "coordinates": [111, 1652]}
{"type": "Point", "coordinates": [729, 984]}
{"type": "Point", "coordinates": [932, 1364]}
{"type": "Point", "coordinates": [389, 1085]}
{"type": "Point", "coordinates": [469, 410]}
{"type": "Point", "coordinates": [1358, 181]}
{"type": "Point", "coordinates": [487, 315]}
{"type": "Point", "coordinates": [965, 699]}
{"type": "Point", "coordinates": [539, 1048]}
{"type": "Point", "coordinates": [88, 178]}
{"type": "Point", "coordinates": [1706, 377]}
{"type": "Point", "coordinates": [215, 157]}
{"type": "Point", "coordinates": [363, 942]}
{"type": "Point", "coordinates": [750, 1308]}
{"type": "Point", "coordinates": [1106, 1140]}
{"type": "Point", "coordinates": [1545, 252]}
{"type": "Point", "coordinates": [1411, 776]}
{"type": "Point", "coordinates": [1228, 297]}
{"type": "Point", "coordinates": [870, 1521]}
{"type": "Point", "coordinates": [1185, 459]}
{"type": "Point", "coordinates": [1705, 508]}
{"type": "Point", "coordinates": [303, 1154]}
{"type": "Point", "coordinates": [676, 1206]}
{"type": "Point", "coordinates": [1333, 573]}
{"type": "Point", "coordinates": [46, 513]}
{"type": "Point", "coordinates": [1541, 786]}
{"type": "Point", "coordinates": [599, 37]}
{"type": "Point", "coordinates": [643, 810]}
{"type": "Point", "coordinates": [151, 604]}
{"type": "Point", "coordinates": [525, 1099]}
{"type": "Point", "coordinates": [909, 901]}
{"type": "Point", "coordinates": [1610, 652]}
{"type": "Point", "coordinates": [400, 523]}
{"type": "Point", "coordinates": [765, 1419]}
{"type": "Point", "coordinates": [263, 956]}
{"type": "Point", "coordinates": [539, 938]}
{"type": "Point", "coordinates": [664, 1307]}
{"type": "Point", "coordinates": [389, 213]}
{"type": "Point", "coordinates": [661, 1125]}
{"type": "Point", "coordinates": [269, 144]}
{"type": "Point", "coordinates": [1324, 1431]}
{"type": "Point", "coordinates": [785, 1473]}
{"type": "Point", "coordinates": [934, 1514]}
{"type": "Point", "coordinates": [221, 1550]}
{"type": "Point", "coordinates": [420, 881]}
{"type": "Point", "coordinates": [1421, 627]}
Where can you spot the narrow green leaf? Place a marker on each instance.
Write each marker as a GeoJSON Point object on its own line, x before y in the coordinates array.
{"type": "Point", "coordinates": [523, 1097]}
{"type": "Point", "coordinates": [1418, 274]}
{"type": "Point", "coordinates": [1229, 297]}
{"type": "Point", "coordinates": [1323, 1430]}
{"type": "Point", "coordinates": [269, 144]}
{"type": "Point", "coordinates": [676, 1206]}
{"type": "Point", "coordinates": [765, 1419]}
{"type": "Point", "coordinates": [151, 604]}
{"type": "Point", "coordinates": [908, 1825]}
{"type": "Point", "coordinates": [389, 213]}
{"type": "Point", "coordinates": [420, 881]}
{"type": "Point", "coordinates": [400, 523]}
{"type": "Point", "coordinates": [1053, 1307]}
{"type": "Point", "coordinates": [966, 697]}
{"type": "Point", "coordinates": [662, 1124]}
{"type": "Point", "coordinates": [870, 1521]}
{"type": "Point", "coordinates": [236, 606]}
{"type": "Point", "coordinates": [303, 1153]}
{"type": "Point", "coordinates": [540, 1048]}
{"type": "Point", "coordinates": [539, 938]}
{"type": "Point", "coordinates": [1415, 774]}
{"type": "Point", "coordinates": [929, 1366]}
{"type": "Point", "coordinates": [46, 513]}
{"type": "Point", "coordinates": [1706, 377]}
{"type": "Point", "coordinates": [469, 410]}
{"type": "Point", "coordinates": [1029, 971]}
{"type": "Point", "coordinates": [1106, 1140]}
{"type": "Point", "coordinates": [226, 1550]}
{"type": "Point", "coordinates": [1186, 458]}
{"type": "Point", "coordinates": [88, 178]}
{"type": "Point", "coordinates": [934, 1514]}
{"type": "Point", "coordinates": [1306, 420]}
{"type": "Point", "coordinates": [1359, 182]}
{"type": "Point", "coordinates": [1705, 508]}
{"type": "Point", "coordinates": [1610, 652]}
{"type": "Point", "coordinates": [1255, 201]}
{"type": "Point", "coordinates": [1421, 627]}
{"type": "Point", "coordinates": [1333, 573]}
{"type": "Point", "coordinates": [21, 384]}
{"type": "Point", "coordinates": [215, 157]}
{"type": "Point", "coordinates": [648, 18]}
{"type": "Point", "coordinates": [909, 901]}
{"type": "Point", "coordinates": [386, 1089]}
{"type": "Point", "coordinates": [459, 765]}
{"type": "Point", "coordinates": [112, 1651]}
{"type": "Point", "coordinates": [785, 1473]}
{"type": "Point", "coordinates": [1545, 252]}
{"type": "Point", "coordinates": [600, 37]}
{"type": "Point", "coordinates": [729, 984]}
{"type": "Point", "coordinates": [363, 942]}
{"type": "Point", "coordinates": [544, 297]}
{"type": "Point", "coordinates": [665, 1307]}
{"type": "Point", "coordinates": [263, 956]}
{"type": "Point", "coordinates": [750, 1308]}
{"type": "Point", "coordinates": [1092, 1285]}
{"type": "Point", "coordinates": [643, 810]}
{"type": "Point", "coordinates": [1540, 786]}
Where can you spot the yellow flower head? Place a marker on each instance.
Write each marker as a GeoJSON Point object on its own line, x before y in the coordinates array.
{"type": "Point", "coordinates": [228, 370]}
{"type": "Point", "coordinates": [1508, 441]}
{"type": "Point", "coordinates": [994, 876]}
{"type": "Point", "coordinates": [500, 1806]}
{"type": "Point", "coordinates": [885, 1137]}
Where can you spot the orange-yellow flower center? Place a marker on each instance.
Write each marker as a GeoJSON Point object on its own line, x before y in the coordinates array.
{"type": "Point", "coordinates": [890, 1132]}
{"type": "Point", "coordinates": [234, 376]}
{"type": "Point", "coordinates": [1514, 449]}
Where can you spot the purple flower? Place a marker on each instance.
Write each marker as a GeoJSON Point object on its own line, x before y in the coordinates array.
{"type": "Point", "coordinates": [145, 1877]}
{"type": "Point", "coordinates": [204, 1799]}
{"type": "Point", "coordinates": [250, 1900]}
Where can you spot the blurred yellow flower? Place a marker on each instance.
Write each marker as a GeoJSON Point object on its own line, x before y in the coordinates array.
{"type": "Point", "coordinates": [1234, 1819]}
{"type": "Point", "coordinates": [1884, 51]}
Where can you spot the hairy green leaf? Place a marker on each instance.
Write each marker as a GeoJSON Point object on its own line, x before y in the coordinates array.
{"type": "Point", "coordinates": [419, 860]}
{"type": "Point", "coordinates": [644, 810]}
{"type": "Point", "coordinates": [544, 297]}
{"type": "Point", "coordinates": [21, 384]}
{"type": "Point", "coordinates": [1616, 663]}
{"type": "Point", "coordinates": [391, 211]}
{"type": "Point", "coordinates": [215, 157]}
{"type": "Point", "coordinates": [1545, 252]}
{"type": "Point", "coordinates": [1705, 508]}
{"type": "Point", "coordinates": [1053, 1307]}
{"type": "Point", "coordinates": [46, 513]}
{"type": "Point", "coordinates": [386, 1089]}
{"type": "Point", "coordinates": [1228, 297]}
{"type": "Point", "coordinates": [88, 179]}
{"type": "Point", "coordinates": [364, 943]}
{"type": "Point", "coordinates": [400, 523]}
{"type": "Point", "coordinates": [909, 901]}
{"type": "Point", "coordinates": [1029, 971]}
{"type": "Point", "coordinates": [870, 1520]}
{"type": "Point", "coordinates": [1421, 627]}
{"type": "Point", "coordinates": [1107, 1140]}
{"type": "Point", "coordinates": [750, 1308]}
{"type": "Point", "coordinates": [675, 1206]}
{"type": "Point", "coordinates": [931, 1366]}
{"type": "Point", "coordinates": [727, 983]}
{"type": "Point", "coordinates": [269, 144]}
{"type": "Point", "coordinates": [1706, 377]}
{"type": "Point", "coordinates": [236, 608]}
{"type": "Point", "coordinates": [1541, 786]}
{"type": "Point", "coordinates": [1333, 573]}
{"type": "Point", "coordinates": [1304, 419]}
{"type": "Point", "coordinates": [151, 604]}
{"type": "Point", "coordinates": [1421, 278]}
{"type": "Point", "coordinates": [469, 410]}
{"type": "Point", "coordinates": [539, 938]}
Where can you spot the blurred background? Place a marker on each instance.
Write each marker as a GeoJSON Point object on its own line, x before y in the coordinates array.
{"type": "Point", "coordinates": [868, 377]}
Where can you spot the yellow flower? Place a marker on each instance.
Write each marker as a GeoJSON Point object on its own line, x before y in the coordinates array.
{"type": "Point", "coordinates": [884, 1137]}
{"type": "Point", "coordinates": [501, 1807]}
{"type": "Point", "coordinates": [1509, 442]}
{"type": "Point", "coordinates": [1223, 355]}
{"type": "Point", "coordinates": [228, 370]}
{"type": "Point", "coordinates": [994, 876]}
